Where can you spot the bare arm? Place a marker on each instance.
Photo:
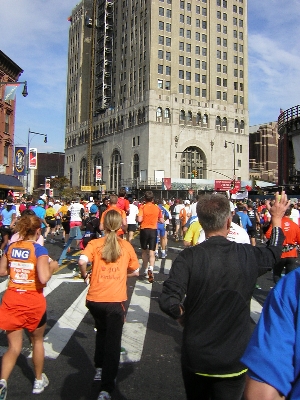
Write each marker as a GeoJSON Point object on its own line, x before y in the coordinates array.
{"type": "Point", "coordinates": [45, 268]}
{"type": "Point", "coordinates": [3, 266]}
{"type": "Point", "coordinates": [259, 390]}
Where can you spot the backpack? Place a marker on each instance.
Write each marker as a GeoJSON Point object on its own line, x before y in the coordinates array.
{"type": "Point", "coordinates": [123, 204]}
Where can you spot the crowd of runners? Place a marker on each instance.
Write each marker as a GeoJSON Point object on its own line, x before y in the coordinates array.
{"type": "Point", "coordinates": [228, 245]}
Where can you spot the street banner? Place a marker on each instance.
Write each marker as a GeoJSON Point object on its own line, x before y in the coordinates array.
{"type": "Point", "coordinates": [33, 158]}
{"type": "Point", "coordinates": [227, 184]}
{"type": "Point", "coordinates": [166, 184]}
{"type": "Point", "coordinates": [10, 91]}
{"type": "Point", "coordinates": [20, 161]}
{"type": "Point", "coordinates": [98, 173]}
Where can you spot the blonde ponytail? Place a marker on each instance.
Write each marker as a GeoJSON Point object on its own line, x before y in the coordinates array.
{"type": "Point", "coordinates": [112, 249]}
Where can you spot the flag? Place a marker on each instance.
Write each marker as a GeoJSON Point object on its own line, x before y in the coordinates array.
{"type": "Point", "coordinates": [10, 91]}
{"type": "Point", "coordinates": [32, 158]}
{"type": "Point", "coordinates": [98, 172]}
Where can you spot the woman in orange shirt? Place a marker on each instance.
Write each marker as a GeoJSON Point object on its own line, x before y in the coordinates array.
{"type": "Point", "coordinates": [23, 304]}
{"type": "Point", "coordinates": [113, 259]}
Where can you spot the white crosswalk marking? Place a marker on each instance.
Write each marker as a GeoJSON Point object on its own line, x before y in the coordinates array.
{"type": "Point", "coordinates": [135, 326]}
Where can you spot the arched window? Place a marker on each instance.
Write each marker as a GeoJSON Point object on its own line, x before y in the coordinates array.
{"type": "Point", "coordinates": [158, 114]}
{"type": "Point", "coordinates": [140, 117]}
{"type": "Point", "coordinates": [242, 126]}
{"type": "Point", "coordinates": [136, 166]}
{"type": "Point", "coordinates": [115, 171]}
{"type": "Point", "coordinates": [189, 117]}
{"type": "Point", "coordinates": [182, 115]}
{"type": "Point", "coordinates": [192, 163]}
{"type": "Point", "coordinates": [144, 114]}
{"type": "Point", "coordinates": [224, 124]}
{"type": "Point", "coordinates": [236, 126]}
{"type": "Point", "coordinates": [83, 172]}
{"type": "Point", "coordinates": [218, 122]}
{"type": "Point", "coordinates": [205, 120]}
{"type": "Point", "coordinates": [167, 113]}
{"type": "Point", "coordinates": [198, 119]}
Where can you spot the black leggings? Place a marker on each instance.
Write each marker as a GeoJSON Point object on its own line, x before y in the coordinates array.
{"type": "Point", "coordinates": [109, 320]}
{"type": "Point", "coordinates": [289, 263]}
{"type": "Point", "coordinates": [198, 387]}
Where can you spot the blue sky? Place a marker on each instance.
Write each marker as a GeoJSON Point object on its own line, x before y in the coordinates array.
{"type": "Point", "coordinates": [34, 34]}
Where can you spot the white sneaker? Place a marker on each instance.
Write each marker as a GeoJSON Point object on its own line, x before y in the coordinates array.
{"type": "Point", "coordinates": [39, 385]}
{"type": "Point", "coordinates": [104, 395]}
{"type": "Point", "coordinates": [98, 374]}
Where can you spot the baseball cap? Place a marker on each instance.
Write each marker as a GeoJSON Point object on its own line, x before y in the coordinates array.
{"type": "Point", "coordinates": [93, 209]}
{"type": "Point", "coordinates": [40, 202]}
{"type": "Point", "coordinates": [50, 204]}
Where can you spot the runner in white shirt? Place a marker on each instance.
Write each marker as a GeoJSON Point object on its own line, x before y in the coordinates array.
{"type": "Point", "coordinates": [131, 219]}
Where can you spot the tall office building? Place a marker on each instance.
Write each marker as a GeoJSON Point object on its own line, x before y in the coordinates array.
{"type": "Point", "coordinates": [170, 89]}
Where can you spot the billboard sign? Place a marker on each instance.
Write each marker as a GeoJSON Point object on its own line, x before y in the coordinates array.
{"type": "Point", "coordinates": [227, 184]}
{"type": "Point", "coordinates": [33, 158]}
{"type": "Point", "coordinates": [20, 161]}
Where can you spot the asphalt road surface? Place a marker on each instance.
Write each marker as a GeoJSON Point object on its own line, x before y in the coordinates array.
{"type": "Point", "coordinates": [151, 367]}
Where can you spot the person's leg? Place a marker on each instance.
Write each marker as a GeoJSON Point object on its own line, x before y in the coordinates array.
{"type": "Point", "coordinates": [98, 312]}
{"type": "Point", "coordinates": [4, 242]}
{"type": "Point", "coordinates": [228, 388]}
{"type": "Point", "coordinates": [151, 258]}
{"type": "Point", "coordinates": [38, 351]}
{"type": "Point", "coordinates": [9, 359]}
{"type": "Point", "coordinates": [145, 259]}
{"type": "Point", "coordinates": [196, 386]}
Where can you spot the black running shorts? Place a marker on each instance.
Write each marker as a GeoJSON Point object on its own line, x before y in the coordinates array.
{"type": "Point", "coordinates": [148, 238]}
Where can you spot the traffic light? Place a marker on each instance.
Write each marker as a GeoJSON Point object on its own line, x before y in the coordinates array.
{"type": "Point", "coordinates": [195, 173]}
{"type": "Point", "coordinates": [192, 175]}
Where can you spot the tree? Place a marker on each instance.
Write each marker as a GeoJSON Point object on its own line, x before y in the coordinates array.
{"type": "Point", "coordinates": [60, 184]}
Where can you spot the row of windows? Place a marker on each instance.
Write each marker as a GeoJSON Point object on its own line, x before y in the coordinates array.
{"type": "Point", "coordinates": [189, 7]}
{"type": "Point", "coordinates": [161, 12]}
{"type": "Point", "coordinates": [188, 76]}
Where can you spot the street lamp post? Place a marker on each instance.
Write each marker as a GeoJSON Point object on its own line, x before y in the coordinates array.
{"type": "Point", "coordinates": [24, 92]}
{"type": "Point", "coordinates": [28, 144]}
{"type": "Point", "coordinates": [225, 145]}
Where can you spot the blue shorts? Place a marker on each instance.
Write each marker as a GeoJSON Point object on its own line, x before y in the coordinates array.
{"type": "Point", "coordinates": [161, 230]}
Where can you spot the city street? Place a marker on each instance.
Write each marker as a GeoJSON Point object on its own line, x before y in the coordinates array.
{"type": "Point", "coordinates": [151, 367]}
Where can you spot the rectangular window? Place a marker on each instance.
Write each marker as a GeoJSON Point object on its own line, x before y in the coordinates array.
{"type": "Point", "coordinates": [224, 55]}
{"type": "Point", "coordinates": [235, 73]}
{"type": "Point", "coordinates": [225, 96]}
{"type": "Point", "coordinates": [189, 20]}
{"type": "Point", "coordinates": [235, 34]}
{"type": "Point", "coordinates": [181, 74]}
{"type": "Point", "coordinates": [188, 75]}
{"type": "Point", "coordinates": [218, 41]}
{"type": "Point", "coordinates": [204, 11]}
{"type": "Point", "coordinates": [204, 65]}
{"type": "Point", "coordinates": [161, 39]}
{"type": "Point", "coordinates": [235, 46]}
{"type": "Point", "coordinates": [218, 95]}
{"type": "Point", "coordinates": [235, 98]}
{"type": "Point", "coordinates": [234, 8]}
{"type": "Point", "coordinates": [197, 91]}
{"type": "Point", "coordinates": [188, 61]}
{"type": "Point", "coordinates": [169, 13]}
{"type": "Point", "coordinates": [161, 11]}
{"type": "Point", "coordinates": [160, 54]}
{"type": "Point", "coordinates": [218, 27]}
{"type": "Point", "coordinates": [168, 70]}
{"type": "Point", "coordinates": [224, 69]}
{"type": "Point", "coordinates": [241, 74]}
{"type": "Point", "coordinates": [224, 42]}
{"type": "Point", "coordinates": [188, 33]}
{"type": "Point", "coordinates": [181, 18]}
{"type": "Point", "coordinates": [219, 3]}
{"type": "Point", "coordinates": [169, 1]}
{"type": "Point", "coordinates": [241, 87]}
{"type": "Point", "coordinates": [225, 29]}
{"type": "Point", "coordinates": [168, 85]}
{"type": "Point", "coordinates": [241, 48]}
{"type": "Point", "coordinates": [182, 4]}
{"type": "Point", "coordinates": [161, 26]}
{"type": "Point", "coordinates": [224, 82]}
{"type": "Point", "coordinates": [204, 38]}
{"type": "Point", "coordinates": [219, 14]}
{"type": "Point", "coordinates": [160, 83]}
{"type": "Point", "coordinates": [241, 11]}
{"type": "Point", "coordinates": [241, 35]}
{"type": "Point", "coordinates": [235, 85]}
{"type": "Point", "coordinates": [180, 88]}
{"type": "Point", "coordinates": [235, 59]}
{"type": "Point", "coordinates": [168, 41]}
{"type": "Point", "coordinates": [241, 23]}
{"type": "Point", "coordinates": [197, 36]}
{"type": "Point", "coordinates": [234, 21]}
{"type": "Point", "coordinates": [197, 23]}
{"type": "Point", "coordinates": [181, 46]}
{"type": "Point", "coordinates": [218, 53]}
{"type": "Point", "coordinates": [189, 7]}
{"type": "Point", "coordinates": [197, 63]}
{"type": "Point", "coordinates": [181, 32]}
{"type": "Point", "coordinates": [224, 17]}
{"type": "Point", "coordinates": [168, 27]}
{"type": "Point", "coordinates": [188, 48]}
{"type": "Point", "coordinates": [181, 60]}
{"type": "Point", "coordinates": [197, 50]}
{"type": "Point", "coordinates": [219, 81]}
{"type": "Point", "coordinates": [203, 78]}
{"type": "Point", "coordinates": [241, 61]}
{"type": "Point", "coordinates": [218, 67]}
{"type": "Point", "coordinates": [188, 89]}
{"type": "Point", "coordinates": [225, 3]}
{"type": "Point", "coordinates": [203, 92]}
{"type": "Point", "coordinates": [168, 55]}
{"type": "Point", "coordinates": [197, 77]}
{"type": "Point", "coordinates": [197, 9]}
{"type": "Point", "coordinates": [160, 69]}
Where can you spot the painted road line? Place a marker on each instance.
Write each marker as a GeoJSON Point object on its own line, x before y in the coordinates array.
{"type": "Point", "coordinates": [58, 336]}
{"type": "Point", "coordinates": [167, 267]}
{"type": "Point", "coordinates": [135, 327]}
{"type": "Point", "coordinates": [255, 310]}
{"type": "Point", "coordinates": [3, 285]}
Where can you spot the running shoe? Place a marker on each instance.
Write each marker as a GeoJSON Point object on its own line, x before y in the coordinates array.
{"type": "Point", "coordinates": [3, 389]}
{"type": "Point", "coordinates": [104, 395]}
{"type": "Point", "coordinates": [156, 257]}
{"type": "Point", "coordinates": [40, 384]}
{"type": "Point", "coordinates": [150, 275]}
{"type": "Point", "coordinates": [98, 374]}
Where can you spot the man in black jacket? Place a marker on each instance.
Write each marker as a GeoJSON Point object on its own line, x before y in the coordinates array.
{"type": "Point", "coordinates": [209, 291]}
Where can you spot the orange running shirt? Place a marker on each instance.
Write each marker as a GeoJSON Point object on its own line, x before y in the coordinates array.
{"type": "Point", "coordinates": [151, 214]}
{"type": "Point", "coordinates": [291, 232]}
{"type": "Point", "coordinates": [116, 208]}
{"type": "Point", "coordinates": [108, 280]}
{"type": "Point", "coordinates": [22, 259]}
